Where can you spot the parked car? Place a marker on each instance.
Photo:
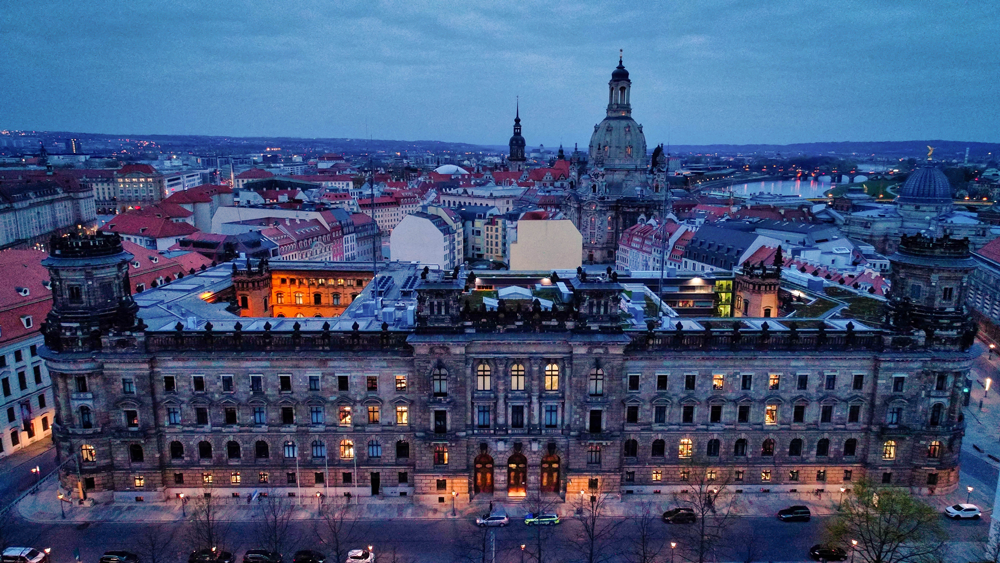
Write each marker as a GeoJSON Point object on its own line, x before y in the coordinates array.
{"type": "Point", "coordinates": [546, 519]}
{"type": "Point", "coordinates": [679, 516]}
{"type": "Point", "coordinates": [212, 555]}
{"type": "Point", "coordinates": [360, 556]}
{"type": "Point", "coordinates": [821, 552]}
{"type": "Point", "coordinates": [25, 555]}
{"type": "Point", "coordinates": [492, 520]}
{"type": "Point", "coordinates": [119, 557]}
{"type": "Point", "coordinates": [794, 514]}
{"type": "Point", "coordinates": [308, 556]}
{"type": "Point", "coordinates": [261, 556]}
{"type": "Point", "coordinates": [962, 511]}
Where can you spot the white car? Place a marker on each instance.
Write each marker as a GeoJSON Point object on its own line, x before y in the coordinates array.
{"type": "Point", "coordinates": [25, 555]}
{"type": "Point", "coordinates": [493, 520]}
{"type": "Point", "coordinates": [960, 511]}
{"type": "Point", "coordinates": [360, 556]}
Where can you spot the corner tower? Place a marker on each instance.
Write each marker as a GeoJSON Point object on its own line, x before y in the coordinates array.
{"type": "Point", "coordinates": [90, 291]}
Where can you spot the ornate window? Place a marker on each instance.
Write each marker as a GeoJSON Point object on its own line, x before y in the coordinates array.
{"type": "Point", "coordinates": [685, 448]}
{"type": "Point", "coordinates": [205, 450]}
{"type": "Point", "coordinates": [767, 448]}
{"type": "Point", "coordinates": [823, 447]}
{"type": "Point", "coordinates": [934, 450]}
{"type": "Point", "coordinates": [713, 448]}
{"type": "Point", "coordinates": [596, 385]}
{"type": "Point", "coordinates": [517, 377]}
{"type": "Point", "coordinates": [936, 412]}
{"type": "Point", "coordinates": [771, 414]}
{"type": "Point", "coordinates": [440, 454]}
{"type": "Point", "coordinates": [850, 447]}
{"type": "Point", "coordinates": [346, 449]}
{"type": "Point", "coordinates": [261, 450]}
{"type": "Point", "coordinates": [135, 453]}
{"type": "Point", "coordinates": [740, 448]}
{"type": "Point", "coordinates": [439, 382]}
{"type": "Point", "coordinates": [402, 415]}
{"type": "Point", "coordinates": [176, 450]}
{"type": "Point", "coordinates": [631, 448]}
{"type": "Point", "coordinates": [484, 377]}
{"type": "Point", "coordinates": [659, 448]}
{"type": "Point", "coordinates": [318, 449]}
{"type": "Point", "coordinates": [795, 447]}
{"type": "Point", "coordinates": [551, 376]}
{"type": "Point", "coordinates": [233, 450]}
{"type": "Point", "coordinates": [374, 449]}
{"type": "Point", "coordinates": [88, 454]}
{"type": "Point", "coordinates": [86, 419]}
{"type": "Point", "coordinates": [594, 454]}
{"type": "Point", "coordinates": [291, 451]}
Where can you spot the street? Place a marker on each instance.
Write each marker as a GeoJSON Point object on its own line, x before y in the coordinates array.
{"type": "Point", "coordinates": [15, 472]}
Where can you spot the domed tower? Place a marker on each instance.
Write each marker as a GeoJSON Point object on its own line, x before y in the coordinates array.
{"type": "Point", "coordinates": [516, 158]}
{"type": "Point", "coordinates": [926, 194]}
{"type": "Point", "coordinates": [90, 291]}
{"type": "Point", "coordinates": [929, 285]}
{"type": "Point", "coordinates": [618, 144]}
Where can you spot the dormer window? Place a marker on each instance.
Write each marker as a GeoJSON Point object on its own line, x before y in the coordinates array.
{"type": "Point", "coordinates": [26, 321]}
{"type": "Point", "coordinates": [23, 291]}
{"type": "Point", "coordinates": [135, 263]}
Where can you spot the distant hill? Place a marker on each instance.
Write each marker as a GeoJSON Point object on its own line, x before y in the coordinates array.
{"type": "Point", "coordinates": [902, 149]}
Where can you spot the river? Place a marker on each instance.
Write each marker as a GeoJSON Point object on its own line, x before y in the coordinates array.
{"type": "Point", "coordinates": [807, 189]}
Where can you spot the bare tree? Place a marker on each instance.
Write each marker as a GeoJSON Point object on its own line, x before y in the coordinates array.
{"type": "Point", "coordinates": [338, 528]}
{"type": "Point", "coordinates": [537, 504]}
{"type": "Point", "coordinates": [889, 524]}
{"type": "Point", "coordinates": [475, 544]}
{"type": "Point", "coordinates": [388, 552]}
{"type": "Point", "coordinates": [156, 543]}
{"type": "Point", "coordinates": [205, 527]}
{"type": "Point", "coordinates": [597, 529]}
{"type": "Point", "coordinates": [713, 507]}
{"type": "Point", "coordinates": [645, 534]}
{"type": "Point", "coordinates": [272, 518]}
{"type": "Point", "coordinates": [746, 546]}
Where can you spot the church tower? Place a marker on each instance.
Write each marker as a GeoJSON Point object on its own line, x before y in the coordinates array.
{"type": "Point", "coordinates": [253, 288]}
{"type": "Point", "coordinates": [516, 158]}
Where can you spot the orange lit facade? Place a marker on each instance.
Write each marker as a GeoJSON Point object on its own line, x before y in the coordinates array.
{"type": "Point", "coordinates": [300, 289]}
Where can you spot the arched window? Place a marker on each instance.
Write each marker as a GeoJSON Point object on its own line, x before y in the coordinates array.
{"type": "Point", "coordinates": [439, 382]}
{"type": "Point", "coordinates": [685, 448]}
{"type": "Point", "coordinates": [319, 449]}
{"type": "Point", "coordinates": [767, 448]}
{"type": "Point", "coordinates": [298, 298]}
{"type": "Point", "coordinates": [86, 419]}
{"type": "Point", "coordinates": [291, 451]}
{"type": "Point", "coordinates": [484, 379]}
{"type": "Point", "coordinates": [317, 299]}
{"type": "Point", "coordinates": [205, 450]}
{"type": "Point", "coordinates": [88, 453]}
{"type": "Point", "coordinates": [336, 299]}
{"type": "Point", "coordinates": [850, 447]}
{"type": "Point", "coordinates": [889, 450]}
{"type": "Point", "coordinates": [740, 448]}
{"type": "Point", "coordinates": [552, 376]}
{"type": "Point", "coordinates": [374, 448]}
{"type": "Point", "coordinates": [795, 447]}
{"type": "Point", "coordinates": [233, 450]}
{"type": "Point", "coordinates": [402, 449]}
{"type": "Point", "coordinates": [346, 449]}
{"type": "Point", "coordinates": [936, 411]}
{"type": "Point", "coordinates": [261, 450]}
{"type": "Point", "coordinates": [822, 447]}
{"type": "Point", "coordinates": [713, 448]}
{"type": "Point", "coordinates": [934, 450]}
{"type": "Point", "coordinates": [517, 377]}
{"type": "Point", "coordinates": [176, 450]}
{"type": "Point", "coordinates": [631, 448]}
{"type": "Point", "coordinates": [596, 384]}
{"type": "Point", "coordinates": [659, 448]}
{"type": "Point", "coordinates": [135, 453]}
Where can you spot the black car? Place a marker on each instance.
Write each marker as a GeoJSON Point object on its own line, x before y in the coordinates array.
{"type": "Point", "coordinates": [821, 552]}
{"type": "Point", "coordinates": [212, 555]}
{"type": "Point", "coordinates": [679, 516]}
{"type": "Point", "coordinates": [261, 556]}
{"type": "Point", "coordinates": [308, 556]}
{"type": "Point", "coordinates": [794, 514]}
{"type": "Point", "coordinates": [119, 557]}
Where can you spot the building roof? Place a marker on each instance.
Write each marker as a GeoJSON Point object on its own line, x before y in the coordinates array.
{"type": "Point", "coordinates": [254, 174]}
{"type": "Point", "coordinates": [719, 246]}
{"type": "Point", "coordinates": [926, 184]}
{"type": "Point", "coordinates": [27, 293]}
{"type": "Point", "coordinates": [198, 194]}
{"type": "Point", "coordinates": [990, 251]}
{"type": "Point", "coordinates": [144, 224]}
{"type": "Point", "coordinates": [136, 169]}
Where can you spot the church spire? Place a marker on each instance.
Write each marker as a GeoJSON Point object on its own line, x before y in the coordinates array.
{"type": "Point", "coordinates": [517, 143]}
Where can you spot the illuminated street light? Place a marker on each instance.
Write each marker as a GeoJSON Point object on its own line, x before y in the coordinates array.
{"type": "Point", "coordinates": [454, 496]}
{"type": "Point", "coordinates": [969, 496]}
{"type": "Point", "coordinates": [673, 547]}
{"type": "Point", "coordinates": [854, 547]}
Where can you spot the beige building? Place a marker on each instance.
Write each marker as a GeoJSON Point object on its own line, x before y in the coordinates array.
{"type": "Point", "coordinates": [546, 245]}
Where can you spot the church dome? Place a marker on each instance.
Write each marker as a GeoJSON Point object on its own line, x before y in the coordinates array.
{"type": "Point", "coordinates": [619, 73]}
{"type": "Point", "coordinates": [450, 169]}
{"type": "Point", "coordinates": [927, 185]}
{"type": "Point", "coordinates": [618, 143]}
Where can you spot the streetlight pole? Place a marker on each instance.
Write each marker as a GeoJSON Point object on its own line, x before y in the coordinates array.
{"type": "Point", "coordinates": [989, 381]}
{"type": "Point", "coordinates": [62, 507]}
{"type": "Point", "coordinates": [454, 496]}
{"type": "Point", "coordinates": [969, 496]}
{"type": "Point", "coordinates": [673, 547]}
{"type": "Point", "coordinates": [522, 553]}
{"type": "Point", "coordinates": [842, 491]}
{"type": "Point", "coordinates": [37, 471]}
{"type": "Point", "coordinates": [319, 496]}
{"type": "Point", "coordinates": [854, 547]}
{"type": "Point", "coordinates": [992, 349]}
{"type": "Point", "coordinates": [184, 502]}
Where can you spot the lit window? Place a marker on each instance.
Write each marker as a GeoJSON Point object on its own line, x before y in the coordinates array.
{"type": "Point", "coordinates": [346, 449]}
{"type": "Point", "coordinates": [400, 383]}
{"type": "Point", "coordinates": [889, 450]}
{"type": "Point", "coordinates": [717, 381]}
{"type": "Point", "coordinates": [207, 478]}
{"type": "Point", "coordinates": [440, 454]}
{"type": "Point", "coordinates": [711, 475]}
{"type": "Point", "coordinates": [373, 414]}
{"type": "Point", "coordinates": [934, 450]}
{"type": "Point", "coordinates": [657, 475]}
{"type": "Point", "coordinates": [685, 448]}
{"type": "Point", "coordinates": [344, 414]}
{"type": "Point", "coordinates": [88, 453]}
{"type": "Point", "coordinates": [773, 381]}
{"type": "Point", "coordinates": [234, 478]}
{"type": "Point", "coordinates": [771, 414]}
{"type": "Point", "coordinates": [290, 450]}
{"type": "Point", "coordinates": [139, 481]}
{"type": "Point", "coordinates": [552, 377]}
{"type": "Point", "coordinates": [402, 414]}
{"type": "Point", "coordinates": [765, 475]}
{"type": "Point", "coordinates": [517, 377]}
{"type": "Point", "coordinates": [483, 377]}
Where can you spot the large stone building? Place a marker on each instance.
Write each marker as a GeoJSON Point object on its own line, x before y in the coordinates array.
{"type": "Point", "coordinates": [419, 389]}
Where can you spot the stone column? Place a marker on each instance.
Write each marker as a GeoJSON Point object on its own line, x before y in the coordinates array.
{"type": "Point", "coordinates": [537, 384]}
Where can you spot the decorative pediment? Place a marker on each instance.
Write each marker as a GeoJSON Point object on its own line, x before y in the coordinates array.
{"type": "Point", "coordinates": [402, 401]}
{"type": "Point", "coordinates": [633, 401]}
{"type": "Point", "coordinates": [717, 400]}
{"type": "Point", "coordinates": [172, 402]}
{"type": "Point", "coordinates": [856, 399]}
{"type": "Point", "coordinates": [372, 401]}
{"type": "Point", "coordinates": [800, 400]}
{"type": "Point", "coordinates": [829, 400]}
{"type": "Point", "coordinates": [128, 403]}
{"type": "Point", "coordinates": [257, 402]}
{"type": "Point", "coordinates": [690, 400]}
{"type": "Point", "coordinates": [745, 399]}
{"type": "Point", "coordinates": [201, 401]}
{"type": "Point", "coordinates": [286, 402]}
{"type": "Point", "coordinates": [315, 401]}
{"type": "Point", "coordinates": [774, 400]}
{"type": "Point", "coordinates": [897, 401]}
{"type": "Point", "coordinates": [229, 402]}
{"type": "Point", "coordinates": [343, 401]}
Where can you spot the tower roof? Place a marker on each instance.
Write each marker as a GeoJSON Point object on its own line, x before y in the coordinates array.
{"type": "Point", "coordinates": [619, 73]}
{"type": "Point", "coordinates": [927, 184]}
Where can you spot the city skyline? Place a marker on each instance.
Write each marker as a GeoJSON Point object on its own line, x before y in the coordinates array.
{"type": "Point", "coordinates": [706, 75]}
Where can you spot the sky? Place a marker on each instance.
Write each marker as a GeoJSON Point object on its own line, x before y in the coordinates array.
{"type": "Point", "coordinates": [703, 72]}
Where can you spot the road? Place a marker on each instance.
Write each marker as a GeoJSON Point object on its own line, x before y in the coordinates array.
{"type": "Point", "coordinates": [16, 476]}
{"type": "Point", "coordinates": [420, 541]}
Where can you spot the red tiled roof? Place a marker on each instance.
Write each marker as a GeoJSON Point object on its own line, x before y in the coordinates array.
{"type": "Point", "coordinates": [254, 173]}
{"type": "Point", "coordinates": [141, 224]}
{"type": "Point", "coordinates": [136, 168]}
{"type": "Point", "coordinates": [24, 270]}
{"type": "Point", "coordinates": [198, 194]}
{"type": "Point", "coordinates": [991, 250]}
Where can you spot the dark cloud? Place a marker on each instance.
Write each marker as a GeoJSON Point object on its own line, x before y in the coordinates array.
{"type": "Point", "coordinates": [703, 72]}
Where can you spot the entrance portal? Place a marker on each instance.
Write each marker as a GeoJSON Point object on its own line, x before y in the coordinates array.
{"type": "Point", "coordinates": [550, 474]}
{"type": "Point", "coordinates": [484, 474]}
{"type": "Point", "coordinates": [517, 475]}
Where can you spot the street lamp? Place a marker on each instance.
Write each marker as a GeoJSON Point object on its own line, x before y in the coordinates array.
{"type": "Point", "coordinates": [184, 502]}
{"type": "Point", "coordinates": [854, 547]}
{"type": "Point", "coordinates": [371, 550]}
{"type": "Point", "coordinates": [989, 381]}
{"type": "Point", "coordinates": [318, 501]}
{"type": "Point", "coordinates": [969, 496]}
{"type": "Point", "coordinates": [992, 348]}
{"type": "Point", "coordinates": [62, 509]}
{"type": "Point", "coordinates": [37, 471]}
{"type": "Point", "coordinates": [522, 553]}
{"type": "Point", "coordinates": [454, 496]}
{"type": "Point", "coordinates": [673, 546]}
{"type": "Point", "coordinates": [842, 491]}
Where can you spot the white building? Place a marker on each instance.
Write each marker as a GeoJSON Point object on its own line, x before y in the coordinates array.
{"type": "Point", "coordinates": [427, 239]}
